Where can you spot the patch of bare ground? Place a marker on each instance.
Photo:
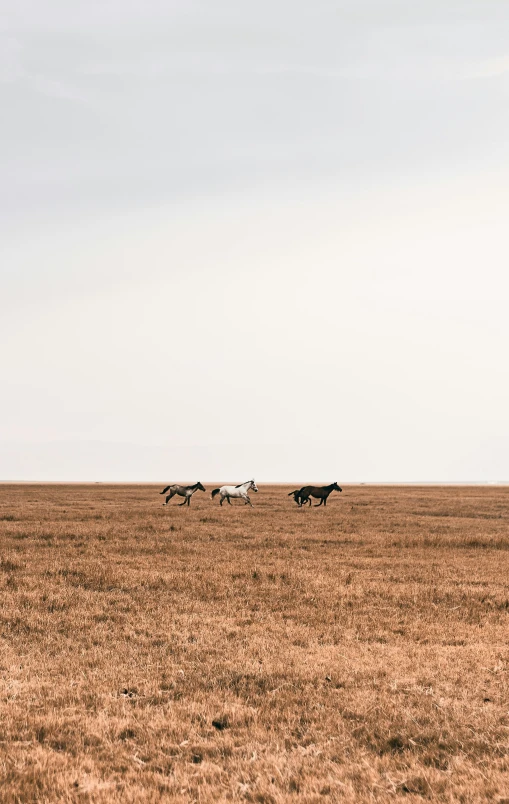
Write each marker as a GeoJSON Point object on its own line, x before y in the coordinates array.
{"type": "Point", "coordinates": [351, 653]}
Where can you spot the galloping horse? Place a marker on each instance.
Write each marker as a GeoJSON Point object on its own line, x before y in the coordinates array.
{"type": "Point", "coordinates": [182, 491]}
{"type": "Point", "coordinates": [235, 491]}
{"type": "Point", "coordinates": [296, 496]}
{"type": "Point", "coordinates": [302, 496]}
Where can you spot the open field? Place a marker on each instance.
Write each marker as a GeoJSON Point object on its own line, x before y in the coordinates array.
{"type": "Point", "coordinates": [357, 652]}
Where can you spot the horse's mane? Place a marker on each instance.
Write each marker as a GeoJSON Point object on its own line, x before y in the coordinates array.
{"type": "Point", "coordinates": [242, 484]}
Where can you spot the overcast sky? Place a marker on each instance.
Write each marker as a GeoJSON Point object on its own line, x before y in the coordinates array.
{"type": "Point", "coordinates": [254, 240]}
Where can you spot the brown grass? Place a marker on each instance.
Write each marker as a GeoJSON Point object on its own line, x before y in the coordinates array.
{"type": "Point", "coordinates": [353, 653]}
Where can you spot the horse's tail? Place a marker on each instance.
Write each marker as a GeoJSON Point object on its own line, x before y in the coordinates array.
{"type": "Point", "coordinates": [165, 490]}
{"type": "Point", "coordinates": [214, 492]}
{"type": "Point", "coordinates": [292, 492]}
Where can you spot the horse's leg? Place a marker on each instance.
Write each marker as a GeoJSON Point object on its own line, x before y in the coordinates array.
{"type": "Point", "coordinates": [168, 498]}
{"type": "Point", "coordinates": [319, 504]}
{"type": "Point", "coordinates": [325, 500]}
{"type": "Point", "coordinates": [228, 499]}
{"type": "Point", "coordinates": [184, 503]}
{"type": "Point", "coordinates": [221, 501]}
{"type": "Point", "coordinates": [248, 501]}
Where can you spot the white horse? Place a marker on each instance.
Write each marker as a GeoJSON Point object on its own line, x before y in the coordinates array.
{"type": "Point", "coordinates": [236, 491]}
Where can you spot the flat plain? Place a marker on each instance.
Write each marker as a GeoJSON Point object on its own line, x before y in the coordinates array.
{"type": "Point", "coordinates": [357, 652]}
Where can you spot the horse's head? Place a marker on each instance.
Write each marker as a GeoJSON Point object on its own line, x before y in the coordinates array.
{"type": "Point", "coordinates": [253, 486]}
{"type": "Point", "coordinates": [335, 487]}
{"type": "Point", "coordinates": [200, 487]}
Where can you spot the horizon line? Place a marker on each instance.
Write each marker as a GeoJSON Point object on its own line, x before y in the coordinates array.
{"type": "Point", "coordinates": [264, 482]}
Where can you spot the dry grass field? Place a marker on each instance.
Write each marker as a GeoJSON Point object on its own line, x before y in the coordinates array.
{"type": "Point", "coordinates": [352, 653]}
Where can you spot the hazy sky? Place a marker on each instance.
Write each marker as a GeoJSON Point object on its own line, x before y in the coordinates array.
{"type": "Point", "coordinates": [254, 240]}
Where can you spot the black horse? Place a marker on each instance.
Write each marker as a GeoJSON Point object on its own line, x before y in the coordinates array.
{"type": "Point", "coordinates": [303, 495]}
{"type": "Point", "coordinates": [296, 496]}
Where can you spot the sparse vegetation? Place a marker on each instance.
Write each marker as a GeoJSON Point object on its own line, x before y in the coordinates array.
{"type": "Point", "coordinates": [351, 653]}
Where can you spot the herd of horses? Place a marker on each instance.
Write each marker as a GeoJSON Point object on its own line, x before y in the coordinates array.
{"type": "Point", "coordinates": [301, 496]}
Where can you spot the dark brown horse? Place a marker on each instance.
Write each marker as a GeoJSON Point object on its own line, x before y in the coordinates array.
{"type": "Point", "coordinates": [303, 495]}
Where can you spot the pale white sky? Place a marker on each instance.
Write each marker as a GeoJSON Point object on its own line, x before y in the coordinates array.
{"type": "Point", "coordinates": [254, 239]}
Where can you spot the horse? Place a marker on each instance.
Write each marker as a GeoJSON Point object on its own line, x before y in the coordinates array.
{"type": "Point", "coordinates": [296, 496]}
{"type": "Point", "coordinates": [182, 491]}
{"type": "Point", "coordinates": [318, 492]}
{"type": "Point", "coordinates": [235, 491]}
